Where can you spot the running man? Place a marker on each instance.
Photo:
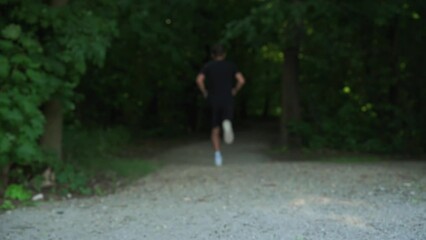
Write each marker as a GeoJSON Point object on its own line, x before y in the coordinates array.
{"type": "Point", "coordinates": [216, 82]}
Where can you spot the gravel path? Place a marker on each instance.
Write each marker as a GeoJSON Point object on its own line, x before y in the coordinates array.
{"type": "Point", "coordinates": [250, 197]}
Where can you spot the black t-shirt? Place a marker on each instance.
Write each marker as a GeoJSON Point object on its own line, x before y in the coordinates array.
{"type": "Point", "coordinates": [220, 78]}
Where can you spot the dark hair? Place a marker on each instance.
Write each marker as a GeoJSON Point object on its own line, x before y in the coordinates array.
{"type": "Point", "coordinates": [217, 50]}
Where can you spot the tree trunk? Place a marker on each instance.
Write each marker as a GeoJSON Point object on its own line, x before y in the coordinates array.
{"type": "Point", "coordinates": [5, 178]}
{"type": "Point", "coordinates": [290, 102]}
{"type": "Point", "coordinates": [51, 140]}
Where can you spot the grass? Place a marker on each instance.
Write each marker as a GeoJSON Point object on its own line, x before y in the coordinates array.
{"type": "Point", "coordinates": [82, 177]}
{"type": "Point", "coordinates": [99, 150]}
{"type": "Point", "coordinates": [101, 155]}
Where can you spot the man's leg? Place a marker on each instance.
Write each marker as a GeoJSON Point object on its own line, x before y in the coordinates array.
{"type": "Point", "coordinates": [215, 137]}
{"type": "Point", "coordinates": [228, 132]}
{"type": "Point", "coordinates": [215, 134]}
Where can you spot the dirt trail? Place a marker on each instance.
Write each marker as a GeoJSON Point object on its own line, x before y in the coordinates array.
{"type": "Point", "coordinates": [250, 197]}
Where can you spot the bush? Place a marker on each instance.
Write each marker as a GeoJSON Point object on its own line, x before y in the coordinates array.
{"type": "Point", "coordinates": [82, 143]}
{"type": "Point", "coordinates": [71, 180]}
{"type": "Point", "coordinates": [15, 193]}
{"type": "Point", "coordinates": [97, 150]}
{"type": "Point", "coordinates": [43, 53]}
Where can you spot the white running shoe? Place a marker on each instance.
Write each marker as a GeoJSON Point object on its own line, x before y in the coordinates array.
{"type": "Point", "coordinates": [228, 133]}
{"type": "Point", "coordinates": [218, 159]}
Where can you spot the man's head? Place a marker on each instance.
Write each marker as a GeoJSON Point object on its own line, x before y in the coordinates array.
{"type": "Point", "coordinates": [218, 52]}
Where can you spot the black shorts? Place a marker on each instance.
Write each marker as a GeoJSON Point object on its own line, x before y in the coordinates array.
{"type": "Point", "coordinates": [220, 112]}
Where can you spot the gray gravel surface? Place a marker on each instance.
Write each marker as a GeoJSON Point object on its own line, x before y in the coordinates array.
{"type": "Point", "coordinates": [250, 197]}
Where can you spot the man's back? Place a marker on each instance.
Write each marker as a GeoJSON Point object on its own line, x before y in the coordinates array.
{"type": "Point", "coordinates": [220, 77]}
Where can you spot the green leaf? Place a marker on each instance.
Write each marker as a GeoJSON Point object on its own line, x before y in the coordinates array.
{"type": "Point", "coordinates": [80, 66]}
{"type": "Point", "coordinates": [13, 115]}
{"type": "Point", "coordinates": [5, 144]}
{"type": "Point", "coordinates": [6, 45]}
{"type": "Point", "coordinates": [4, 100]}
{"type": "Point", "coordinates": [38, 78]}
{"type": "Point", "coordinates": [31, 133]}
{"type": "Point", "coordinates": [31, 45]}
{"type": "Point", "coordinates": [54, 66]}
{"type": "Point", "coordinates": [25, 151]}
{"type": "Point", "coordinates": [12, 32]}
{"type": "Point", "coordinates": [415, 16]}
{"type": "Point", "coordinates": [4, 67]}
{"type": "Point", "coordinates": [18, 76]}
{"type": "Point", "coordinates": [21, 59]}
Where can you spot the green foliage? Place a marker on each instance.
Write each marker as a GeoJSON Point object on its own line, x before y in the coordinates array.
{"type": "Point", "coordinates": [102, 166]}
{"type": "Point", "coordinates": [14, 193]}
{"type": "Point", "coordinates": [381, 112]}
{"type": "Point", "coordinates": [43, 53]}
{"type": "Point", "coordinates": [156, 93]}
{"type": "Point", "coordinates": [82, 143]}
{"type": "Point", "coordinates": [12, 32]}
{"type": "Point", "coordinates": [70, 179]}
{"type": "Point", "coordinates": [89, 153]}
{"type": "Point", "coordinates": [20, 121]}
{"type": "Point", "coordinates": [105, 157]}
{"type": "Point", "coordinates": [17, 192]}
{"type": "Point", "coordinates": [7, 205]}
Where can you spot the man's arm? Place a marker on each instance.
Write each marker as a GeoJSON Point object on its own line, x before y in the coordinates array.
{"type": "Point", "coordinates": [240, 83]}
{"type": "Point", "coordinates": [201, 85]}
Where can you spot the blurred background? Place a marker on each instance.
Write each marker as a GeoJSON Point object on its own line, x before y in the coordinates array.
{"type": "Point", "coordinates": [80, 79]}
